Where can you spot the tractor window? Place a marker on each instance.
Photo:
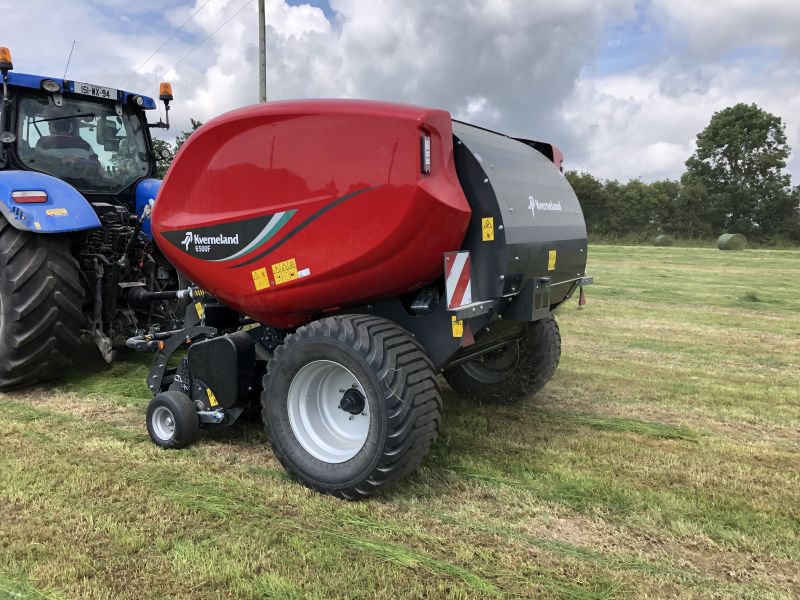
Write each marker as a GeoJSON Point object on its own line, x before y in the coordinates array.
{"type": "Point", "coordinates": [83, 142]}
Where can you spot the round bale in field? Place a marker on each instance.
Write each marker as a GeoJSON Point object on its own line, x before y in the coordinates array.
{"type": "Point", "coordinates": [663, 240]}
{"type": "Point", "coordinates": [732, 241]}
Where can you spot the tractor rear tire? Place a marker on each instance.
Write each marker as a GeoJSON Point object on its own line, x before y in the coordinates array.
{"type": "Point", "coordinates": [513, 373]}
{"type": "Point", "coordinates": [41, 300]}
{"type": "Point", "coordinates": [350, 404]}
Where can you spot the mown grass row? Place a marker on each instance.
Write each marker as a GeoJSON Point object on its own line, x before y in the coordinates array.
{"type": "Point", "coordinates": [663, 460]}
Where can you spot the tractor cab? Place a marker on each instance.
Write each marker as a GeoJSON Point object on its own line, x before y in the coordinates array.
{"type": "Point", "coordinates": [94, 138]}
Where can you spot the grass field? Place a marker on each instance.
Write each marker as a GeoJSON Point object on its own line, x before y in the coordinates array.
{"type": "Point", "coordinates": [663, 460]}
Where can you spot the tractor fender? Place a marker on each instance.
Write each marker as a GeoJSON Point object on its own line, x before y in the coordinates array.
{"type": "Point", "coordinates": [64, 210]}
{"type": "Point", "coordinates": [146, 192]}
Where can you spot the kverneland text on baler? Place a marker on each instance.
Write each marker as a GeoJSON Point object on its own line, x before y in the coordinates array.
{"type": "Point", "coordinates": [343, 254]}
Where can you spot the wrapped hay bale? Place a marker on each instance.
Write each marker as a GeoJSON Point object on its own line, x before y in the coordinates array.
{"type": "Point", "coordinates": [663, 240]}
{"type": "Point", "coordinates": [732, 241]}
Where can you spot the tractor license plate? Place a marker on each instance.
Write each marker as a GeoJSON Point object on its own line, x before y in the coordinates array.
{"type": "Point", "coordinates": [87, 89]}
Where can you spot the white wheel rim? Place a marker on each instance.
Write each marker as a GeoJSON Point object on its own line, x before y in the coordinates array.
{"type": "Point", "coordinates": [327, 432]}
{"type": "Point", "coordinates": [163, 423]}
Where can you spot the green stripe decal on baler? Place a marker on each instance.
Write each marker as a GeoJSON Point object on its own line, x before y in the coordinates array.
{"type": "Point", "coordinates": [272, 227]}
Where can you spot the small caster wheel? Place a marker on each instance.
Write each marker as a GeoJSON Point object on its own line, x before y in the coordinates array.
{"type": "Point", "coordinates": [172, 420]}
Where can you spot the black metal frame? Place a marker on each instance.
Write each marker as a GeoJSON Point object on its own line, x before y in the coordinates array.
{"type": "Point", "coordinates": [165, 344]}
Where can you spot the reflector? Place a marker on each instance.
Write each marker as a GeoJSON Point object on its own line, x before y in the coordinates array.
{"type": "Point", "coordinates": [29, 196]}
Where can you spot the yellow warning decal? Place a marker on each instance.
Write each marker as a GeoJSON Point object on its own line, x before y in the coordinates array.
{"type": "Point", "coordinates": [201, 311]}
{"type": "Point", "coordinates": [37, 225]}
{"type": "Point", "coordinates": [56, 212]}
{"type": "Point", "coordinates": [551, 260]}
{"type": "Point", "coordinates": [487, 227]}
{"type": "Point", "coordinates": [458, 327]}
{"type": "Point", "coordinates": [260, 279]}
{"type": "Point", "coordinates": [284, 271]}
{"type": "Point", "coordinates": [212, 399]}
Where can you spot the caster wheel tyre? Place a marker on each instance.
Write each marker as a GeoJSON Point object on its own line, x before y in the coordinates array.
{"type": "Point", "coordinates": [172, 420]}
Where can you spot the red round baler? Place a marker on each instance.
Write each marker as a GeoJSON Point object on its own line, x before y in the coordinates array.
{"type": "Point", "coordinates": [343, 253]}
{"type": "Point", "coordinates": [356, 220]}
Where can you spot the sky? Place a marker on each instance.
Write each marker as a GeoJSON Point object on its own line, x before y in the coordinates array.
{"type": "Point", "coordinates": [621, 86]}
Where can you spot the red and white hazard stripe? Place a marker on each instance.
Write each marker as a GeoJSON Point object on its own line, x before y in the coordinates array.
{"type": "Point", "coordinates": [458, 279]}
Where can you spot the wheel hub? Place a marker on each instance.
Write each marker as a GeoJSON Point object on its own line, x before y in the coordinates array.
{"type": "Point", "coordinates": [328, 411]}
{"type": "Point", "coordinates": [353, 402]}
{"type": "Point", "coordinates": [163, 423]}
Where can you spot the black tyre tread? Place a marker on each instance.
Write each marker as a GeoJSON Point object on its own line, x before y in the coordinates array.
{"type": "Point", "coordinates": [187, 425]}
{"type": "Point", "coordinates": [539, 355]}
{"type": "Point", "coordinates": [41, 298]}
{"type": "Point", "coordinates": [411, 394]}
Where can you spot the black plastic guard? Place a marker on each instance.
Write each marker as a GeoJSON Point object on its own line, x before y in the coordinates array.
{"type": "Point", "coordinates": [225, 364]}
{"type": "Point", "coordinates": [538, 226]}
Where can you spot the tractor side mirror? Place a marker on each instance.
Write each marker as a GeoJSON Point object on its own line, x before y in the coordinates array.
{"type": "Point", "coordinates": [106, 135]}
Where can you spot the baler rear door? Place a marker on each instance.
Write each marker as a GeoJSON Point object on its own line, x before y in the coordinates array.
{"type": "Point", "coordinates": [527, 236]}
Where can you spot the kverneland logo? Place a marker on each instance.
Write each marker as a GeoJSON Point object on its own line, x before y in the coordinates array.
{"type": "Point", "coordinates": [228, 241]}
{"type": "Point", "coordinates": [534, 205]}
{"type": "Point", "coordinates": [203, 243]}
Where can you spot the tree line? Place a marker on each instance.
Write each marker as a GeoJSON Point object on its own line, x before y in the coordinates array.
{"type": "Point", "coordinates": [735, 182]}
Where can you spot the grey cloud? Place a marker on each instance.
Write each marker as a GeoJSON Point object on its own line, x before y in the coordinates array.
{"type": "Point", "coordinates": [519, 66]}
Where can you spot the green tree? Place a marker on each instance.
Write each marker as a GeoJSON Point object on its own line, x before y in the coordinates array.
{"type": "Point", "coordinates": [593, 198]}
{"type": "Point", "coordinates": [165, 152]}
{"type": "Point", "coordinates": [737, 174]}
{"type": "Point", "coordinates": [181, 138]}
{"type": "Point", "coordinates": [666, 212]}
{"type": "Point", "coordinates": [613, 209]}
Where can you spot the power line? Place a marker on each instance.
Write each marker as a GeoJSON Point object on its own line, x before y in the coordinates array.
{"type": "Point", "coordinates": [164, 43]}
{"type": "Point", "coordinates": [212, 34]}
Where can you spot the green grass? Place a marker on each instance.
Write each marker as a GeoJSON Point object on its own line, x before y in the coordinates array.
{"type": "Point", "coordinates": [663, 460]}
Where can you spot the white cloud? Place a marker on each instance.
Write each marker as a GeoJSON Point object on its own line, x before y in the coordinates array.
{"type": "Point", "coordinates": [521, 66]}
{"type": "Point", "coordinates": [713, 27]}
{"type": "Point", "coordinates": [504, 64]}
{"type": "Point", "coordinates": [643, 123]}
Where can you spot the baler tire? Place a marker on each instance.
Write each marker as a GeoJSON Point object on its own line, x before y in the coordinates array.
{"type": "Point", "coordinates": [41, 299]}
{"type": "Point", "coordinates": [537, 354]}
{"type": "Point", "coordinates": [183, 414]}
{"type": "Point", "coordinates": [401, 402]}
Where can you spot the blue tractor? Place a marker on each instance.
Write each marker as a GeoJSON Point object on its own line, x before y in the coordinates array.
{"type": "Point", "coordinates": [77, 185]}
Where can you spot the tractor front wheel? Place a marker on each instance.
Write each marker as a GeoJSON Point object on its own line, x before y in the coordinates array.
{"type": "Point", "coordinates": [516, 371]}
{"type": "Point", "coordinates": [350, 404]}
{"type": "Point", "coordinates": [41, 299]}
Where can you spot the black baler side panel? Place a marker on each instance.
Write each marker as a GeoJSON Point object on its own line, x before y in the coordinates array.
{"type": "Point", "coordinates": [537, 208]}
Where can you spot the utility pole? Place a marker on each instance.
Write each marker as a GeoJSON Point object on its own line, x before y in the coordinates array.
{"type": "Point", "coordinates": [262, 51]}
